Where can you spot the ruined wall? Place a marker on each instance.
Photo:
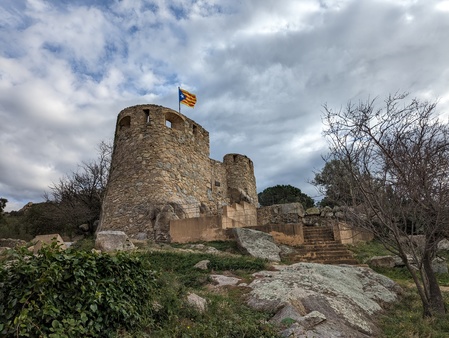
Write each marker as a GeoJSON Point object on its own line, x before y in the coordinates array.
{"type": "Point", "coordinates": [286, 221]}
{"type": "Point", "coordinates": [161, 171]}
{"type": "Point", "coordinates": [197, 229]}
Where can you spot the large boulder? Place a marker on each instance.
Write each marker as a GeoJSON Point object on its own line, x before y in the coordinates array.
{"type": "Point", "coordinates": [443, 245]}
{"type": "Point", "coordinates": [41, 240]}
{"type": "Point", "coordinates": [257, 243]}
{"type": "Point", "coordinates": [382, 262]}
{"type": "Point", "coordinates": [345, 296]}
{"type": "Point", "coordinates": [110, 241]}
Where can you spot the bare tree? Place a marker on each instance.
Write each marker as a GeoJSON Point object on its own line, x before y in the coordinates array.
{"type": "Point", "coordinates": [398, 159]}
{"type": "Point", "coordinates": [79, 195]}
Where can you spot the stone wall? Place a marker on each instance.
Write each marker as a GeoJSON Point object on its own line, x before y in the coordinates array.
{"type": "Point", "coordinates": [197, 229]}
{"type": "Point", "coordinates": [213, 228]}
{"type": "Point", "coordinates": [287, 220]}
{"type": "Point", "coordinates": [161, 172]}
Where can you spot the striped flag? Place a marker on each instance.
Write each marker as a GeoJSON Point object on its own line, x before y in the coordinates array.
{"type": "Point", "coordinates": [187, 98]}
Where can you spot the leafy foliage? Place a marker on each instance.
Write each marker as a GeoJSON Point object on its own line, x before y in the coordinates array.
{"type": "Point", "coordinates": [74, 294]}
{"type": "Point", "coordinates": [336, 183]}
{"type": "Point", "coordinates": [82, 294]}
{"type": "Point", "coordinates": [281, 194]}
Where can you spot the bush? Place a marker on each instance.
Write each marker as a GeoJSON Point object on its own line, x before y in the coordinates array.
{"type": "Point", "coordinates": [74, 293]}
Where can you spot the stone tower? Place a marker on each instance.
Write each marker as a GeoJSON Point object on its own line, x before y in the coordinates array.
{"type": "Point", "coordinates": [161, 171]}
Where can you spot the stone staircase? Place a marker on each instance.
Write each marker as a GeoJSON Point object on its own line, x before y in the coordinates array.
{"type": "Point", "coordinates": [320, 246]}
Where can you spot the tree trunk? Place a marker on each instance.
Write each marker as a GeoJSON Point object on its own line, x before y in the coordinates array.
{"type": "Point", "coordinates": [436, 301]}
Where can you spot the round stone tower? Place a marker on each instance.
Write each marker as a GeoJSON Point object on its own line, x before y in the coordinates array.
{"type": "Point", "coordinates": [240, 179]}
{"type": "Point", "coordinates": [161, 171]}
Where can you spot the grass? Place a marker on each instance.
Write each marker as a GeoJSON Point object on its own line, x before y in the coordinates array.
{"type": "Point", "coordinates": [226, 315]}
{"type": "Point", "coordinates": [404, 318]}
{"type": "Point", "coordinates": [365, 250]}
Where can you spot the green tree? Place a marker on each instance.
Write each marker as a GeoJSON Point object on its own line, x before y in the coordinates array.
{"type": "Point", "coordinates": [281, 194]}
{"type": "Point", "coordinates": [3, 202]}
{"type": "Point", "coordinates": [334, 181]}
{"type": "Point", "coordinates": [397, 157]}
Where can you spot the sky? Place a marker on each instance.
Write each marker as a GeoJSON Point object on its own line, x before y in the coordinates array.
{"type": "Point", "coordinates": [261, 69]}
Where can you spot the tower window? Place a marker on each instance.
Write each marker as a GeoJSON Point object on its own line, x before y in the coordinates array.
{"type": "Point", "coordinates": [195, 129]}
{"type": "Point", "coordinates": [168, 123]}
{"type": "Point", "coordinates": [147, 115]}
{"type": "Point", "coordinates": [125, 122]}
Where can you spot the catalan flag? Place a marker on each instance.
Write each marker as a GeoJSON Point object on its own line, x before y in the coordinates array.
{"type": "Point", "coordinates": [187, 98]}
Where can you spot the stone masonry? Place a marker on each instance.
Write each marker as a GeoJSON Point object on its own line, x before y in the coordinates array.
{"type": "Point", "coordinates": [161, 171]}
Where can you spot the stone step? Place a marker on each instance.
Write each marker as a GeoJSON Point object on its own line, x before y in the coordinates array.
{"type": "Point", "coordinates": [349, 261]}
{"type": "Point", "coordinates": [317, 231]}
{"type": "Point", "coordinates": [323, 245]}
{"type": "Point", "coordinates": [319, 240]}
{"type": "Point", "coordinates": [320, 246]}
{"type": "Point", "coordinates": [329, 251]}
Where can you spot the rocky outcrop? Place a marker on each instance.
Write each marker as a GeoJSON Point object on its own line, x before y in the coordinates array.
{"type": "Point", "coordinates": [346, 297]}
{"type": "Point", "coordinates": [109, 241]}
{"type": "Point", "coordinates": [257, 244]}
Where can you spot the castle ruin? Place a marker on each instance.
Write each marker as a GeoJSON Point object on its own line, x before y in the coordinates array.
{"type": "Point", "coordinates": [161, 176]}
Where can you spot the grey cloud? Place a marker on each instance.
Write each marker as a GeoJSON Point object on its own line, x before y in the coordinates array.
{"type": "Point", "coordinates": [261, 72]}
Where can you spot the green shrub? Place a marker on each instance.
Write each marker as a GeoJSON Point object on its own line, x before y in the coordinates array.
{"type": "Point", "coordinates": [74, 293]}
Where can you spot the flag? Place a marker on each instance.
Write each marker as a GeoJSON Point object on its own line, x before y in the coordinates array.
{"type": "Point", "coordinates": [187, 98]}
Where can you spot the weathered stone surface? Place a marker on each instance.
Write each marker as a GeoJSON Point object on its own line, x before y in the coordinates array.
{"type": "Point", "coordinates": [280, 213]}
{"type": "Point", "coordinates": [288, 312]}
{"type": "Point", "coordinates": [347, 296]}
{"type": "Point", "coordinates": [304, 326]}
{"type": "Point", "coordinates": [313, 211]}
{"type": "Point", "coordinates": [439, 265]}
{"type": "Point", "coordinates": [40, 240]}
{"type": "Point", "coordinates": [202, 265]}
{"type": "Point", "coordinates": [224, 280]}
{"type": "Point", "coordinates": [382, 262]}
{"type": "Point", "coordinates": [257, 244]}
{"type": "Point", "coordinates": [84, 227]}
{"type": "Point", "coordinates": [203, 248]}
{"type": "Point", "coordinates": [311, 320]}
{"type": "Point", "coordinates": [11, 242]}
{"type": "Point", "coordinates": [162, 224]}
{"type": "Point", "coordinates": [327, 212]}
{"type": "Point", "coordinates": [443, 245]}
{"type": "Point", "coordinates": [197, 302]}
{"type": "Point", "coordinates": [109, 241]}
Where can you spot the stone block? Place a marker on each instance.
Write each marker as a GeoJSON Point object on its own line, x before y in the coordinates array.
{"type": "Point", "coordinates": [109, 241]}
{"type": "Point", "coordinates": [40, 240]}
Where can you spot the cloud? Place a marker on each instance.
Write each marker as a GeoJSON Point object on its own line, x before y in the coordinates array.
{"type": "Point", "coordinates": [261, 72]}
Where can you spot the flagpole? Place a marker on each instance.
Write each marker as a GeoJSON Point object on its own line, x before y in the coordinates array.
{"type": "Point", "coordinates": [179, 102]}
